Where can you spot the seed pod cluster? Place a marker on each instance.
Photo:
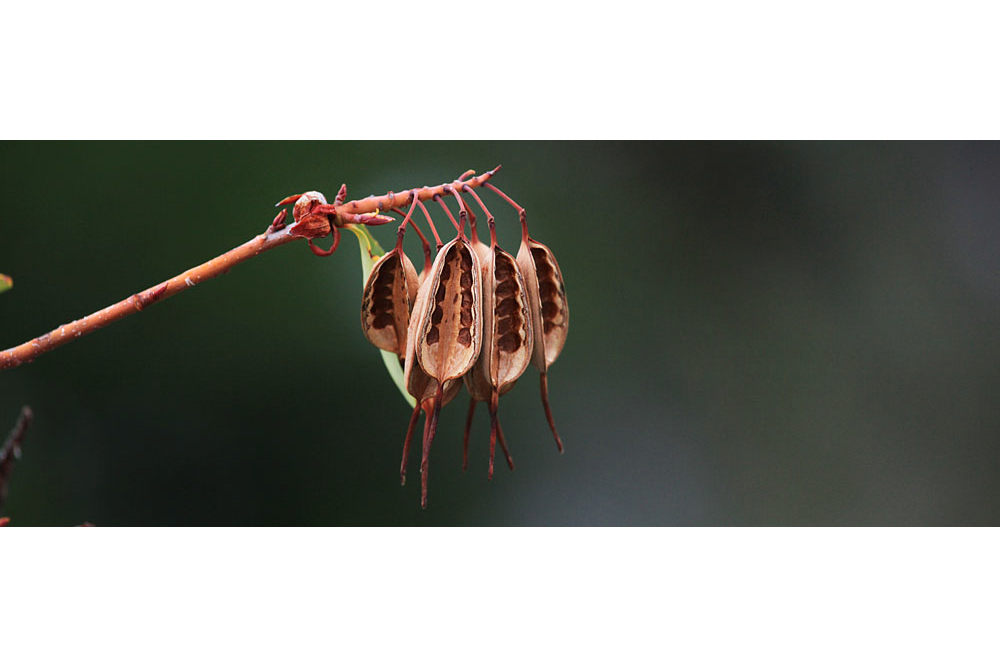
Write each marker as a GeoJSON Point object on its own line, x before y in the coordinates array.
{"type": "Point", "coordinates": [476, 316]}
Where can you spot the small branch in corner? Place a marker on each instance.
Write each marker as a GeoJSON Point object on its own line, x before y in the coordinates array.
{"type": "Point", "coordinates": [11, 450]}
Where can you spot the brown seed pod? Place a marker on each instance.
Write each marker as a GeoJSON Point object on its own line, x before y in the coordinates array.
{"type": "Point", "coordinates": [547, 303]}
{"type": "Point", "coordinates": [549, 307]}
{"type": "Point", "coordinates": [449, 336]}
{"type": "Point", "coordinates": [387, 300]}
{"type": "Point", "coordinates": [549, 312]}
{"type": "Point", "coordinates": [507, 338]}
{"type": "Point", "coordinates": [443, 341]}
{"type": "Point", "coordinates": [507, 334]}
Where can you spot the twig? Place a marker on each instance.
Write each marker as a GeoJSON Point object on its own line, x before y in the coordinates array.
{"type": "Point", "coordinates": [387, 201]}
{"type": "Point", "coordinates": [25, 352]}
{"type": "Point", "coordinates": [314, 224]}
{"type": "Point", "coordinates": [11, 450]}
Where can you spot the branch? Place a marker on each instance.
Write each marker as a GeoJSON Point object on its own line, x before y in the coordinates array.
{"type": "Point", "coordinates": [314, 219]}
{"type": "Point", "coordinates": [11, 449]}
{"type": "Point", "coordinates": [387, 201]}
{"type": "Point", "coordinates": [25, 352]}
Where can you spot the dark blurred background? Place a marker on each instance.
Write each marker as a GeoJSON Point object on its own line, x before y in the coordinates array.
{"type": "Point", "coordinates": [761, 333]}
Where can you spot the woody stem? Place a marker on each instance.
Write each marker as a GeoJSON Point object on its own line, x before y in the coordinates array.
{"type": "Point", "coordinates": [387, 201]}
{"type": "Point", "coordinates": [25, 352]}
{"type": "Point", "coordinates": [11, 450]}
{"type": "Point", "coordinates": [355, 211]}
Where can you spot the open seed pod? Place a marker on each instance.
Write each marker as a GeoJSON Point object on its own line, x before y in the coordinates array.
{"type": "Point", "coordinates": [387, 300]}
{"type": "Point", "coordinates": [443, 340]}
{"type": "Point", "coordinates": [507, 342]}
{"type": "Point", "coordinates": [449, 335]}
{"type": "Point", "coordinates": [506, 333]}
{"type": "Point", "coordinates": [549, 310]}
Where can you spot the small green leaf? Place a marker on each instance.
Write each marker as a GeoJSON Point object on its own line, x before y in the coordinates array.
{"type": "Point", "coordinates": [5, 283]}
{"type": "Point", "coordinates": [370, 252]}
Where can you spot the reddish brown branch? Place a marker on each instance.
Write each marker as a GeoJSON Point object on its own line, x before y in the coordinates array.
{"type": "Point", "coordinates": [25, 352]}
{"type": "Point", "coordinates": [387, 201]}
{"type": "Point", "coordinates": [312, 224]}
{"type": "Point", "coordinates": [11, 450]}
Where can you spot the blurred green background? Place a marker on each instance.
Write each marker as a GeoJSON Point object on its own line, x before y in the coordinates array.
{"type": "Point", "coordinates": [761, 333]}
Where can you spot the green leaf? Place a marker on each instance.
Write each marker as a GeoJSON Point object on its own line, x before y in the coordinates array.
{"type": "Point", "coordinates": [5, 283]}
{"type": "Point", "coordinates": [370, 253]}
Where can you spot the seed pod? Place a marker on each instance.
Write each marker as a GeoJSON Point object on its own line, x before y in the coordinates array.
{"type": "Point", "coordinates": [443, 340]}
{"type": "Point", "coordinates": [507, 333]}
{"type": "Point", "coordinates": [507, 339]}
{"type": "Point", "coordinates": [449, 336]}
{"type": "Point", "coordinates": [387, 300]}
{"type": "Point", "coordinates": [549, 310]}
{"type": "Point", "coordinates": [546, 301]}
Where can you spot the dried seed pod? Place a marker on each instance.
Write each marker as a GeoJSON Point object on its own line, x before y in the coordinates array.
{"type": "Point", "coordinates": [387, 300]}
{"type": "Point", "coordinates": [507, 338]}
{"type": "Point", "coordinates": [443, 341]}
{"type": "Point", "coordinates": [547, 302]}
{"type": "Point", "coordinates": [449, 336]}
{"type": "Point", "coordinates": [549, 311]}
{"type": "Point", "coordinates": [507, 333]}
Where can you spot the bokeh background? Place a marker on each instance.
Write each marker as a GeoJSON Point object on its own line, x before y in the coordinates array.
{"type": "Point", "coordinates": [761, 334]}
